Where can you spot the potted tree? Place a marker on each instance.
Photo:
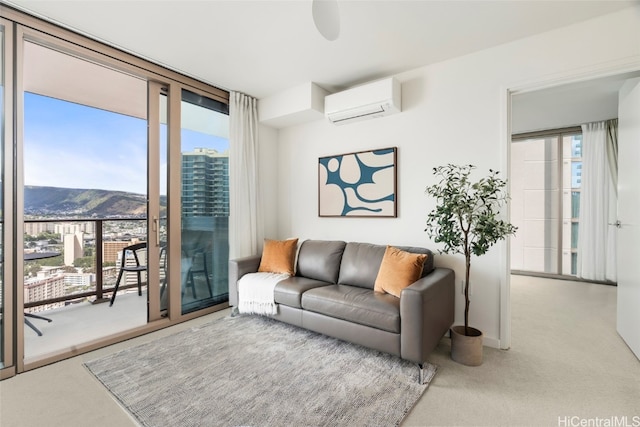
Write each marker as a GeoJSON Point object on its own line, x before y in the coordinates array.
{"type": "Point", "coordinates": [466, 220]}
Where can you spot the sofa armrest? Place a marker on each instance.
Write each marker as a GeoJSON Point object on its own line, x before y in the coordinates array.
{"type": "Point", "coordinates": [427, 310]}
{"type": "Point", "coordinates": [238, 268]}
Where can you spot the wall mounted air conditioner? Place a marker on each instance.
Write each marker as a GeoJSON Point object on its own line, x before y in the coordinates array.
{"type": "Point", "coordinates": [368, 101]}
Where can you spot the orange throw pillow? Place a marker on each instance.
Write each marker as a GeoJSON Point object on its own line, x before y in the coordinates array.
{"type": "Point", "coordinates": [278, 256]}
{"type": "Point", "coordinates": [398, 270]}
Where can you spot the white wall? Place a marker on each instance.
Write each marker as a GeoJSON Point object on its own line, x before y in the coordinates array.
{"type": "Point", "coordinates": [453, 112]}
{"type": "Point", "coordinates": [269, 165]}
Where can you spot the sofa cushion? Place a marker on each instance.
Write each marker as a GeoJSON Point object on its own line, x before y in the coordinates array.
{"type": "Point", "coordinates": [320, 259]}
{"type": "Point", "coordinates": [354, 304]}
{"type": "Point", "coordinates": [289, 291]}
{"type": "Point", "coordinates": [428, 266]}
{"type": "Point", "coordinates": [398, 270]}
{"type": "Point", "coordinates": [361, 262]}
{"type": "Point", "coordinates": [278, 256]}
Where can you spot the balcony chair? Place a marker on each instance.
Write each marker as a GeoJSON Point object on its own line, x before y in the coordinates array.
{"type": "Point", "coordinates": [138, 268]}
{"type": "Point", "coordinates": [199, 255]}
{"type": "Point", "coordinates": [163, 264]}
{"type": "Point", "coordinates": [190, 264]}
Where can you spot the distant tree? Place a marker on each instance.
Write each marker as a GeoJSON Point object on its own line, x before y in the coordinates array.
{"type": "Point", "coordinates": [31, 269]}
{"type": "Point", "coordinates": [46, 235]}
{"type": "Point", "coordinates": [84, 262]}
{"type": "Point", "coordinates": [52, 262]}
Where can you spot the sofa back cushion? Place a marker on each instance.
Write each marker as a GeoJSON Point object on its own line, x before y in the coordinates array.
{"type": "Point", "coordinates": [320, 259]}
{"type": "Point", "coordinates": [361, 262]}
{"type": "Point", "coordinates": [428, 262]}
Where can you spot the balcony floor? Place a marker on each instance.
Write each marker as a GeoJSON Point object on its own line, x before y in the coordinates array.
{"type": "Point", "coordinates": [84, 322]}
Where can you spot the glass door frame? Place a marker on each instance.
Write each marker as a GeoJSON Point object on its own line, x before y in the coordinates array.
{"type": "Point", "coordinates": [154, 89]}
{"type": "Point", "coordinates": [8, 159]}
{"type": "Point", "coordinates": [174, 200]}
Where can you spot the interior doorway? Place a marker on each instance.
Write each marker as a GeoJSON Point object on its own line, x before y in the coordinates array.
{"type": "Point", "coordinates": [556, 107]}
{"type": "Point", "coordinates": [546, 170]}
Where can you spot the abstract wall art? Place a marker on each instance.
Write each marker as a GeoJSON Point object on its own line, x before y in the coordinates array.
{"type": "Point", "coordinates": [358, 184]}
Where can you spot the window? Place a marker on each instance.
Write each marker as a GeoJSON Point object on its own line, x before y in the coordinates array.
{"type": "Point", "coordinates": [545, 198]}
{"type": "Point", "coordinates": [573, 152]}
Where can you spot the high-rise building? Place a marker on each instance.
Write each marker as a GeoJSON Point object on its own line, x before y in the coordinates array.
{"type": "Point", "coordinates": [73, 247]}
{"type": "Point", "coordinates": [205, 211]}
{"type": "Point", "coordinates": [205, 183]}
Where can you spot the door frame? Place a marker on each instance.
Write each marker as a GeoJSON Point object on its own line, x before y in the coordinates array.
{"type": "Point", "coordinates": [506, 92]}
{"type": "Point", "coordinates": [6, 334]}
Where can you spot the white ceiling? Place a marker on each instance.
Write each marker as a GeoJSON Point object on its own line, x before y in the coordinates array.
{"type": "Point", "coordinates": [568, 105]}
{"type": "Point", "coordinates": [263, 47]}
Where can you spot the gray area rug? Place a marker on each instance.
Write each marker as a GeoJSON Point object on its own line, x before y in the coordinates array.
{"type": "Point", "coordinates": [255, 371]}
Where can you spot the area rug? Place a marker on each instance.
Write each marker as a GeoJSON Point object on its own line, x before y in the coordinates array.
{"type": "Point", "coordinates": [255, 371]}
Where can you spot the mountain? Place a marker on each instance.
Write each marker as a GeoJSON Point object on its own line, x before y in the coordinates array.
{"type": "Point", "coordinates": [84, 202]}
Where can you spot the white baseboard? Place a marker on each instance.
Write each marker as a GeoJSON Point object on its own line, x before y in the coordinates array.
{"type": "Point", "coordinates": [491, 342]}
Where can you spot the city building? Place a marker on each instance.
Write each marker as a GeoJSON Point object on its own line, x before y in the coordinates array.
{"type": "Point", "coordinates": [48, 284]}
{"type": "Point", "coordinates": [36, 228]}
{"type": "Point", "coordinates": [73, 246]}
{"type": "Point", "coordinates": [111, 250]}
{"type": "Point", "coordinates": [63, 228]}
{"type": "Point", "coordinates": [79, 279]}
{"type": "Point", "coordinates": [205, 183]}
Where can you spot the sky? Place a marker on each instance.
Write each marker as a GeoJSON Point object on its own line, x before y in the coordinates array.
{"type": "Point", "coordinates": [75, 146]}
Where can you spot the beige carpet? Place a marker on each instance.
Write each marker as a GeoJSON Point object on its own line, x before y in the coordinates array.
{"type": "Point", "coordinates": [556, 325]}
{"type": "Point", "coordinates": [254, 371]}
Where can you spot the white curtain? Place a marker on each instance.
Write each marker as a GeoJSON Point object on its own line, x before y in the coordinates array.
{"type": "Point", "coordinates": [596, 234]}
{"type": "Point", "coordinates": [245, 222]}
{"type": "Point", "coordinates": [612, 151]}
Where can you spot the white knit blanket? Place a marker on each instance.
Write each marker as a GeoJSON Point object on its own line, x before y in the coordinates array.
{"type": "Point", "coordinates": [255, 293]}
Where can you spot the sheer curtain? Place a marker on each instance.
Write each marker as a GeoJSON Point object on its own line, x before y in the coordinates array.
{"type": "Point", "coordinates": [245, 222]}
{"type": "Point", "coordinates": [596, 234]}
{"type": "Point", "coordinates": [612, 151]}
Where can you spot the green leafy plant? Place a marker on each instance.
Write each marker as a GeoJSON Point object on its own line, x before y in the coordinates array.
{"type": "Point", "coordinates": [466, 217]}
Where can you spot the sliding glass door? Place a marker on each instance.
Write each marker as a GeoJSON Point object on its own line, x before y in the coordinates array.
{"type": "Point", "coordinates": [84, 198]}
{"type": "Point", "coordinates": [204, 150]}
{"type": "Point", "coordinates": [102, 151]}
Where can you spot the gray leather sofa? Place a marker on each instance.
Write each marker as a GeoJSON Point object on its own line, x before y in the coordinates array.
{"type": "Point", "coordinates": [332, 293]}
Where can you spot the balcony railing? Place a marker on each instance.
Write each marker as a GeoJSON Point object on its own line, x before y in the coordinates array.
{"type": "Point", "coordinates": [122, 229]}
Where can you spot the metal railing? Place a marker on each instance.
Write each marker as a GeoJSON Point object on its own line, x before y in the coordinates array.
{"type": "Point", "coordinates": [98, 290]}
